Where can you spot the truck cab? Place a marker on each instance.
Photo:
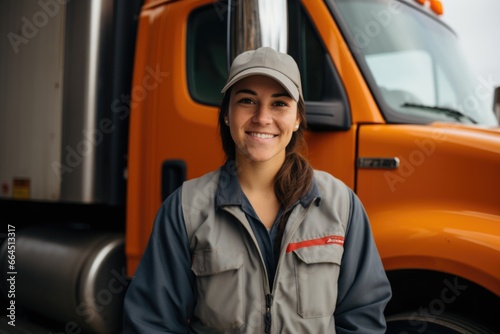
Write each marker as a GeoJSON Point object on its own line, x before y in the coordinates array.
{"type": "Point", "coordinates": [392, 110]}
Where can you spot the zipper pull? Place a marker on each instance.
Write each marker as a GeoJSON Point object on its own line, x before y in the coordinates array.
{"type": "Point", "coordinates": [267, 318]}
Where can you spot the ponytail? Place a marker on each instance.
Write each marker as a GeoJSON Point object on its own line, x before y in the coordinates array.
{"type": "Point", "coordinates": [294, 177]}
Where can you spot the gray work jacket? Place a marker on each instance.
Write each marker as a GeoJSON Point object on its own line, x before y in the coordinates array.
{"type": "Point", "coordinates": [318, 287]}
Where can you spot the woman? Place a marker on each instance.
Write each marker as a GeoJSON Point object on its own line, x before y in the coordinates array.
{"type": "Point", "coordinates": [265, 244]}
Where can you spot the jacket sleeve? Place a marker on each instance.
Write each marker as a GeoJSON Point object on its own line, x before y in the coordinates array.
{"type": "Point", "coordinates": [160, 297]}
{"type": "Point", "coordinates": [363, 287]}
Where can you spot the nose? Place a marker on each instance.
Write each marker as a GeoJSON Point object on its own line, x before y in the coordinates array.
{"type": "Point", "coordinates": [262, 115]}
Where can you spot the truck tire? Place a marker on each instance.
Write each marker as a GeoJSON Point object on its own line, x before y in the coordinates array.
{"type": "Point", "coordinates": [445, 323]}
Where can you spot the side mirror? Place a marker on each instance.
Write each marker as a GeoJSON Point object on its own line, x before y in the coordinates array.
{"type": "Point", "coordinates": [496, 103]}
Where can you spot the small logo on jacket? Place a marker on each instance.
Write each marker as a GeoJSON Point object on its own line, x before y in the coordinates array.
{"type": "Point", "coordinates": [335, 240]}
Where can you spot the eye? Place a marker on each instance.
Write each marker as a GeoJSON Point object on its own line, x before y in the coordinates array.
{"type": "Point", "coordinates": [245, 100]}
{"type": "Point", "coordinates": [280, 104]}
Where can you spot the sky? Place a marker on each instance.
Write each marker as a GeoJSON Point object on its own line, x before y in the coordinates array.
{"type": "Point", "coordinates": [477, 24]}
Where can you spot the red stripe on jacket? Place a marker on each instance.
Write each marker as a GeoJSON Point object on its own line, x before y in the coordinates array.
{"type": "Point", "coordinates": [328, 240]}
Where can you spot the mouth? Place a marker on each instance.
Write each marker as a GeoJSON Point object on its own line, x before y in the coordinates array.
{"type": "Point", "coordinates": [261, 135]}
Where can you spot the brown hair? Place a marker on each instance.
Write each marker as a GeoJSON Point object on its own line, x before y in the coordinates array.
{"type": "Point", "coordinates": [294, 178]}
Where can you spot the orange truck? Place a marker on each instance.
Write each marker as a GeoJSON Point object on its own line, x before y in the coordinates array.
{"type": "Point", "coordinates": [109, 106]}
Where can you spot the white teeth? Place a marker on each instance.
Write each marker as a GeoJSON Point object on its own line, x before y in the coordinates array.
{"type": "Point", "coordinates": [261, 135]}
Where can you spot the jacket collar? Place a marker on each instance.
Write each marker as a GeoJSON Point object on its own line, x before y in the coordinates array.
{"type": "Point", "coordinates": [229, 189]}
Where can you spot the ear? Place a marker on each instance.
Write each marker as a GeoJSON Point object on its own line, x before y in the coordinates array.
{"type": "Point", "coordinates": [297, 122]}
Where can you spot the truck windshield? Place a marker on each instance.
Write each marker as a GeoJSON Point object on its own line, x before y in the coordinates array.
{"type": "Point", "coordinates": [415, 64]}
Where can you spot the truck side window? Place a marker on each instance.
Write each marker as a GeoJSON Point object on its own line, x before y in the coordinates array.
{"type": "Point", "coordinates": [207, 58]}
{"type": "Point", "coordinates": [206, 55]}
{"type": "Point", "coordinates": [305, 46]}
{"type": "Point", "coordinates": [326, 99]}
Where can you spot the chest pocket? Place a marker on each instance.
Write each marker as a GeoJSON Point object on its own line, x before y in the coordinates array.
{"type": "Point", "coordinates": [220, 288]}
{"type": "Point", "coordinates": [316, 275]}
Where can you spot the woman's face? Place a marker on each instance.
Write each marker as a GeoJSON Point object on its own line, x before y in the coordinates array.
{"type": "Point", "coordinates": [262, 118]}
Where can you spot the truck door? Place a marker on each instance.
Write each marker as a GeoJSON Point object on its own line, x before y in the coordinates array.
{"type": "Point", "coordinates": [177, 119]}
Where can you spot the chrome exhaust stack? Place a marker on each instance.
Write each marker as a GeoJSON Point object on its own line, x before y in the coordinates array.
{"type": "Point", "coordinates": [256, 23]}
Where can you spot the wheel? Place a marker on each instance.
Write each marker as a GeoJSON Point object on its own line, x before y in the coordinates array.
{"type": "Point", "coordinates": [445, 323]}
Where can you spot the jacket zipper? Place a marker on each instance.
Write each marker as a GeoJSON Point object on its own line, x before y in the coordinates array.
{"type": "Point", "coordinates": [267, 318]}
{"type": "Point", "coordinates": [269, 296]}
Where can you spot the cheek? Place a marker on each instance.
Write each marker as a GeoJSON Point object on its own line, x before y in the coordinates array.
{"type": "Point", "coordinates": [238, 118]}
{"type": "Point", "coordinates": [234, 116]}
{"type": "Point", "coordinates": [290, 123]}
{"type": "Point", "coordinates": [234, 134]}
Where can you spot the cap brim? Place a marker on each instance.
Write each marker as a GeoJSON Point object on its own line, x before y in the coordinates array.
{"type": "Point", "coordinates": [278, 76]}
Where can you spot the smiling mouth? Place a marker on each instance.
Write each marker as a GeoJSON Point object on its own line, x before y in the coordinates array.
{"type": "Point", "coordinates": [261, 135]}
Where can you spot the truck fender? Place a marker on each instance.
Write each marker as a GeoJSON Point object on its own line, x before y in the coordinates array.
{"type": "Point", "coordinates": [462, 243]}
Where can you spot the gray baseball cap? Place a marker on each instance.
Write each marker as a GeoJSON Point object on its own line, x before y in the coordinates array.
{"type": "Point", "coordinates": [269, 62]}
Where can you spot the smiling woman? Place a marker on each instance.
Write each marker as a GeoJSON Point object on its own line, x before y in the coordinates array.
{"type": "Point", "coordinates": [263, 109]}
{"type": "Point", "coordinates": [265, 244]}
{"type": "Point", "coordinates": [262, 117]}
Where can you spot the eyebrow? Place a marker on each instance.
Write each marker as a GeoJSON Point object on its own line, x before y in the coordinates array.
{"type": "Point", "coordinates": [251, 92]}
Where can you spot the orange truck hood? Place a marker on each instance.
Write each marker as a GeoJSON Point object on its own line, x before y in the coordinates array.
{"type": "Point", "coordinates": [443, 162]}
{"type": "Point", "coordinates": [440, 209]}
